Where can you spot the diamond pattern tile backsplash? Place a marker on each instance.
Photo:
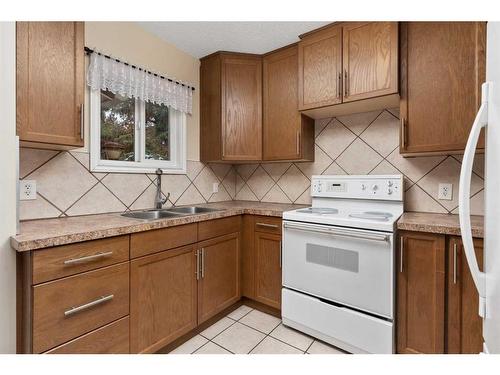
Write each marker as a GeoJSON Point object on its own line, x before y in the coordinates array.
{"type": "Point", "coordinates": [364, 143]}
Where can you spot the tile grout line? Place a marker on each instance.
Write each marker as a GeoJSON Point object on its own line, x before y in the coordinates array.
{"type": "Point", "coordinates": [41, 165]}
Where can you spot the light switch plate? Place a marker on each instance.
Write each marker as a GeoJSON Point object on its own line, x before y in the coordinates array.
{"type": "Point", "coordinates": [215, 187]}
{"type": "Point", "coordinates": [445, 191]}
{"type": "Point", "coordinates": [27, 190]}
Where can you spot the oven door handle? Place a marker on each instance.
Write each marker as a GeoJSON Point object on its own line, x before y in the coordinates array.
{"type": "Point", "coordinates": [337, 232]}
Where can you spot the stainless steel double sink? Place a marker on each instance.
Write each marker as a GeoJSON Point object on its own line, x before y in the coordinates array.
{"type": "Point", "coordinates": [169, 212]}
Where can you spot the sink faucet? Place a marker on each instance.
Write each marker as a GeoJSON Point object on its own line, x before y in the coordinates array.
{"type": "Point", "coordinates": [159, 201]}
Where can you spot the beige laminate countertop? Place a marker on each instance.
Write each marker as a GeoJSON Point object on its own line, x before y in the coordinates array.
{"type": "Point", "coordinates": [438, 223]}
{"type": "Point", "coordinates": [39, 234]}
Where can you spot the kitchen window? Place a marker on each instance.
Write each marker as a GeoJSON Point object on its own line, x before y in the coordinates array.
{"type": "Point", "coordinates": [135, 136]}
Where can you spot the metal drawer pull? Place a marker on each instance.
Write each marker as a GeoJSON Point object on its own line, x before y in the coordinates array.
{"type": "Point", "coordinates": [86, 306]}
{"type": "Point", "coordinates": [202, 263]}
{"type": "Point", "coordinates": [454, 263]}
{"type": "Point", "coordinates": [88, 258]}
{"type": "Point", "coordinates": [401, 253]}
{"type": "Point", "coordinates": [338, 232]}
{"type": "Point", "coordinates": [339, 85]}
{"type": "Point", "coordinates": [274, 226]}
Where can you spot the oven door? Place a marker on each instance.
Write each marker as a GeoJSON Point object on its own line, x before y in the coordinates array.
{"type": "Point", "coordinates": [347, 266]}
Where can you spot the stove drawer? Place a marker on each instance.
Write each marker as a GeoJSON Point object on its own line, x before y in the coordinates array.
{"type": "Point", "coordinates": [348, 266]}
{"type": "Point", "coordinates": [350, 330]}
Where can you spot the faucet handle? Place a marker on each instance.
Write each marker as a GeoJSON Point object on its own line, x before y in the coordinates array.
{"type": "Point", "coordinates": [164, 200]}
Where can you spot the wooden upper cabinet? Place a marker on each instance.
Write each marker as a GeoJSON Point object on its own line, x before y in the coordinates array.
{"type": "Point", "coordinates": [420, 268]}
{"type": "Point", "coordinates": [163, 298]}
{"type": "Point", "coordinates": [219, 278]}
{"type": "Point", "coordinates": [50, 83]}
{"type": "Point", "coordinates": [370, 59]}
{"type": "Point", "coordinates": [463, 321]}
{"type": "Point", "coordinates": [442, 69]}
{"type": "Point", "coordinates": [231, 107]}
{"type": "Point", "coordinates": [320, 68]}
{"type": "Point", "coordinates": [287, 134]}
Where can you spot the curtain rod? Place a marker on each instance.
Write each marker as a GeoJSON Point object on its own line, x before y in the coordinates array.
{"type": "Point", "coordinates": [90, 50]}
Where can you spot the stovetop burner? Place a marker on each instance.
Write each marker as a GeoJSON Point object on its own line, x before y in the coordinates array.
{"type": "Point", "coordinates": [372, 215]}
{"type": "Point", "coordinates": [319, 210]}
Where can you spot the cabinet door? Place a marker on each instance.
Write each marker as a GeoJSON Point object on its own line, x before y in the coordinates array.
{"type": "Point", "coordinates": [162, 298]}
{"type": "Point", "coordinates": [283, 134]}
{"type": "Point", "coordinates": [241, 108]}
{"type": "Point", "coordinates": [442, 69]}
{"type": "Point", "coordinates": [464, 322]}
{"type": "Point", "coordinates": [219, 284]}
{"type": "Point", "coordinates": [50, 82]}
{"type": "Point", "coordinates": [370, 59]}
{"type": "Point", "coordinates": [421, 293]}
{"type": "Point", "coordinates": [320, 69]}
{"type": "Point", "coordinates": [268, 269]}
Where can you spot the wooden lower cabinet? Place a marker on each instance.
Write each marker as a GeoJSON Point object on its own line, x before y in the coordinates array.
{"type": "Point", "coordinates": [110, 339]}
{"type": "Point", "coordinates": [268, 269]}
{"type": "Point", "coordinates": [219, 275]}
{"type": "Point", "coordinates": [464, 325]}
{"type": "Point", "coordinates": [421, 293]}
{"type": "Point", "coordinates": [163, 298]}
{"type": "Point", "coordinates": [437, 306]}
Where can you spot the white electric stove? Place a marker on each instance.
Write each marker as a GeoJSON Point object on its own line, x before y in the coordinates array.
{"type": "Point", "coordinates": [338, 262]}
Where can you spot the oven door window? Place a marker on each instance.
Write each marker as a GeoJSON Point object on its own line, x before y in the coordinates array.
{"type": "Point", "coordinates": [347, 260]}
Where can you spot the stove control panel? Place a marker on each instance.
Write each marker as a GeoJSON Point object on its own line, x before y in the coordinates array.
{"type": "Point", "coordinates": [387, 187]}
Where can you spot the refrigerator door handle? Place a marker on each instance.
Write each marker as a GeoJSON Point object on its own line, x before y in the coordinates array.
{"type": "Point", "coordinates": [480, 122]}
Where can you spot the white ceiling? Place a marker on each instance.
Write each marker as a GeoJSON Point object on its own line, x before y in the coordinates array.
{"type": "Point", "coordinates": [203, 38]}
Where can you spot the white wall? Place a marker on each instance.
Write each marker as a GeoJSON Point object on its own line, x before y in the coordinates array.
{"type": "Point", "coordinates": [8, 156]}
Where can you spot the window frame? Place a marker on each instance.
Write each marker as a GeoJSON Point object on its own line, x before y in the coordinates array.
{"type": "Point", "coordinates": [177, 138]}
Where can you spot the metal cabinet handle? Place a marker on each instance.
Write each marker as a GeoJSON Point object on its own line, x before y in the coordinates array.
{"type": "Point", "coordinates": [197, 272]}
{"type": "Point", "coordinates": [203, 263]}
{"type": "Point", "coordinates": [87, 258]}
{"type": "Point", "coordinates": [345, 83]}
{"type": "Point", "coordinates": [454, 263]}
{"type": "Point", "coordinates": [86, 306]}
{"type": "Point", "coordinates": [401, 253]}
{"type": "Point", "coordinates": [274, 226]}
{"type": "Point", "coordinates": [81, 121]}
{"type": "Point", "coordinates": [339, 85]}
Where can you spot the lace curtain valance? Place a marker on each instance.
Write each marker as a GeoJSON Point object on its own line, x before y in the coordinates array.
{"type": "Point", "coordinates": [106, 73]}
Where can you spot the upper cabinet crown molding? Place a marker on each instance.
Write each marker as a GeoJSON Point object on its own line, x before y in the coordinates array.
{"type": "Point", "coordinates": [442, 68]}
{"type": "Point", "coordinates": [50, 84]}
{"type": "Point", "coordinates": [344, 63]}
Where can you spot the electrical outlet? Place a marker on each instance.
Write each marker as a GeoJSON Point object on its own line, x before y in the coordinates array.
{"type": "Point", "coordinates": [445, 192]}
{"type": "Point", "coordinates": [27, 190]}
{"type": "Point", "coordinates": [215, 187]}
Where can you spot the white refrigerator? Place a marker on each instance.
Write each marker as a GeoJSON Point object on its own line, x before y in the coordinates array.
{"type": "Point", "coordinates": [488, 117]}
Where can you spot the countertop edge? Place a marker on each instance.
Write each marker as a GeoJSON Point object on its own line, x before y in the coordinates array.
{"type": "Point", "coordinates": [140, 226]}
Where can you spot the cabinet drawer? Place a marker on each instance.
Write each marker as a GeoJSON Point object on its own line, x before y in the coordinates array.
{"type": "Point", "coordinates": [219, 227]}
{"type": "Point", "coordinates": [110, 339]}
{"type": "Point", "coordinates": [71, 259]}
{"type": "Point", "coordinates": [69, 307]}
{"type": "Point", "coordinates": [268, 224]}
{"type": "Point", "coordinates": [162, 239]}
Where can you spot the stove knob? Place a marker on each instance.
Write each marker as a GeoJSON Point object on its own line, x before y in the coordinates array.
{"type": "Point", "coordinates": [389, 183]}
{"type": "Point", "coordinates": [389, 191]}
{"type": "Point", "coordinates": [375, 187]}
{"type": "Point", "coordinates": [319, 188]}
{"type": "Point", "coordinates": [363, 187]}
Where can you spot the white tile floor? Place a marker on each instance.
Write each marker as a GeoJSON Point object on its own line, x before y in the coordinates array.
{"type": "Point", "coordinates": [246, 330]}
